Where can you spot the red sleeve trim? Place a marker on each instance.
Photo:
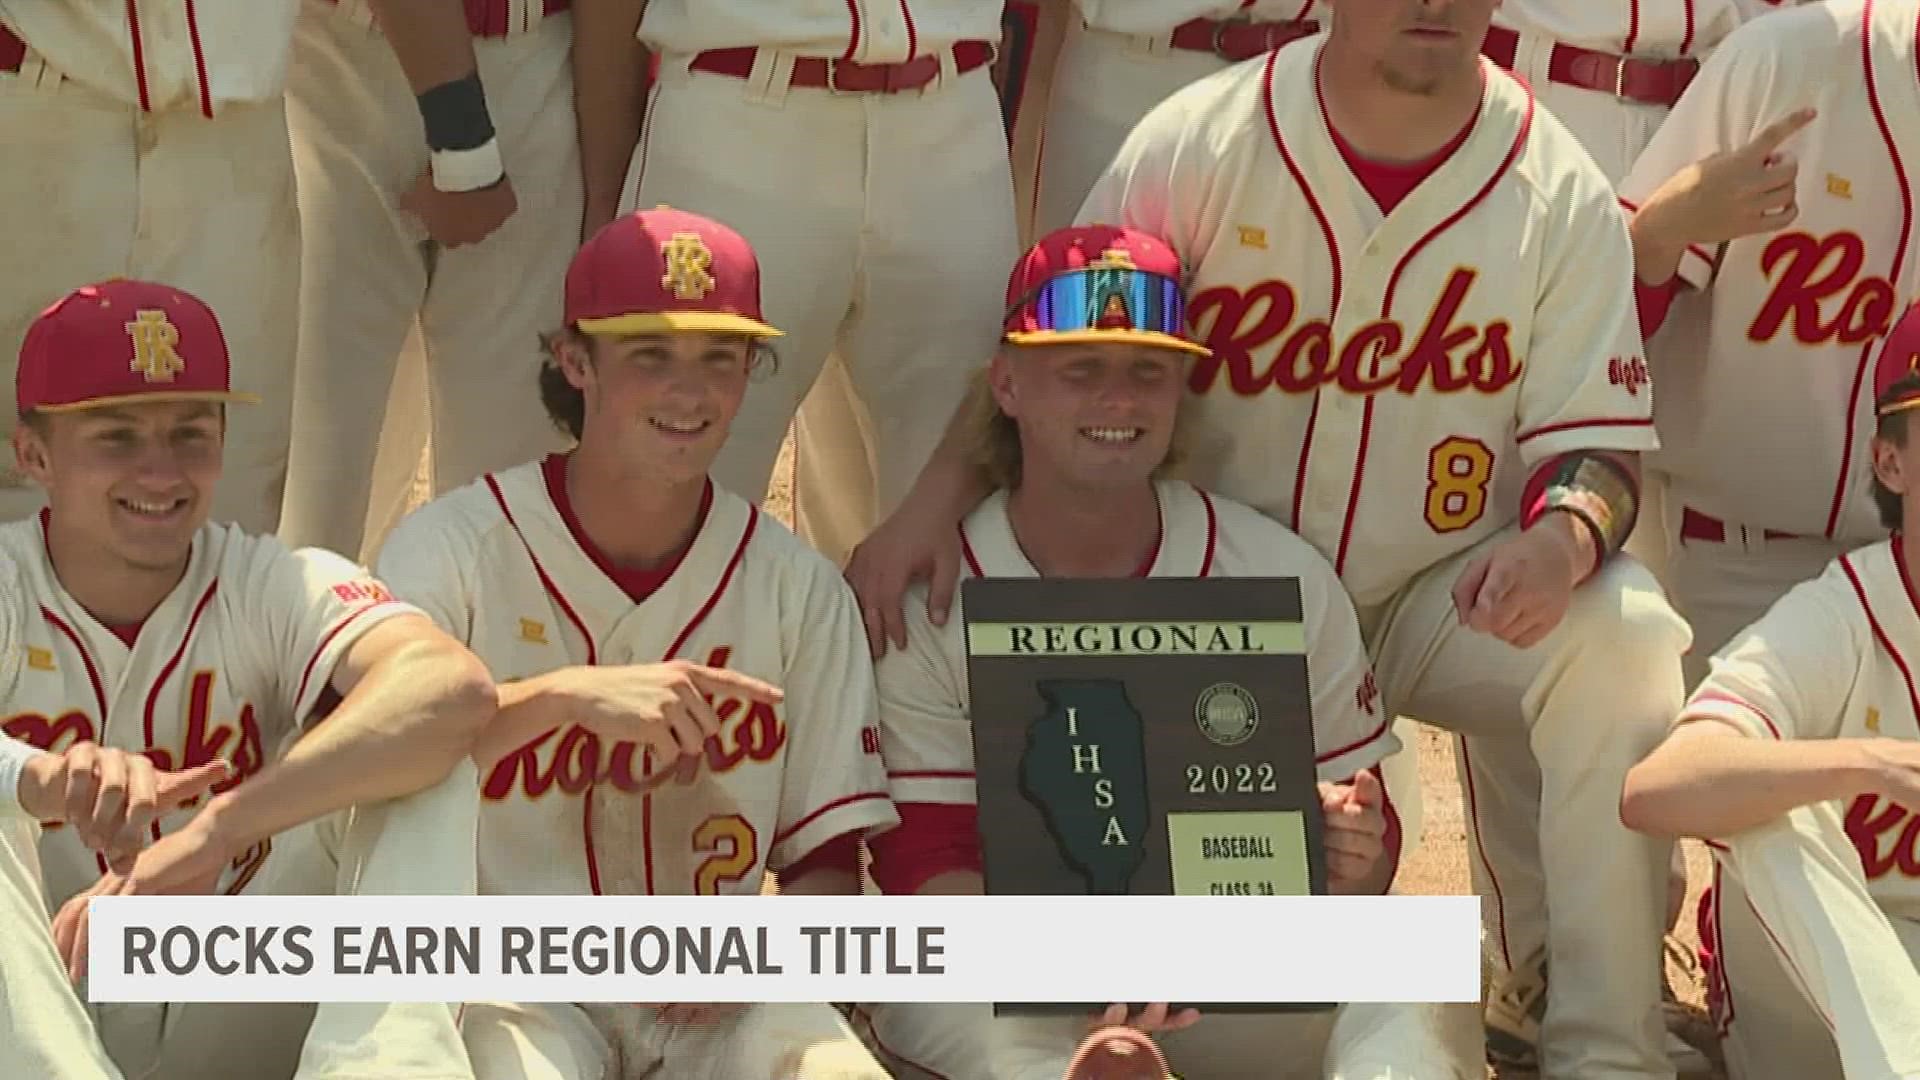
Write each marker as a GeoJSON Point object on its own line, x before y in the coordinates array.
{"type": "Point", "coordinates": [931, 839]}
{"type": "Point", "coordinates": [1322, 759]}
{"type": "Point", "coordinates": [1652, 301]}
{"type": "Point", "coordinates": [1728, 699]}
{"type": "Point", "coordinates": [790, 831]}
{"type": "Point", "coordinates": [327, 639]}
{"type": "Point", "coordinates": [840, 853]}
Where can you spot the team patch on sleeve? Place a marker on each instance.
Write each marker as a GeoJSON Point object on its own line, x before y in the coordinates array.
{"type": "Point", "coordinates": [363, 591]}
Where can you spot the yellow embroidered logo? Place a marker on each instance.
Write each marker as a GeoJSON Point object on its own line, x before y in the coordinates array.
{"type": "Point", "coordinates": [1252, 236]}
{"type": "Point", "coordinates": [154, 340]}
{"type": "Point", "coordinates": [39, 659]}
{"type": "Point", "coordinates": [688, 259]}
{"type": "Point", "coordinates": [1839, 186]}
{"type": "Point", "coordinates": [1113, 259]}
{"type": "Point", "coordinates": [1873, 719]}
{"type": "Point", "coordinates": [533, 630]}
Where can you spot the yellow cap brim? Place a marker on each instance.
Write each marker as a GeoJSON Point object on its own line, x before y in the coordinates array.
{"type": "Point", "coordinates": [668, 322]}
{"type": "Point", "coordinates": [1082, 337]}
{"type": "Point", "coordinates": [228, 396]}
{"type": "Point", "coordinates": [1901, 405]}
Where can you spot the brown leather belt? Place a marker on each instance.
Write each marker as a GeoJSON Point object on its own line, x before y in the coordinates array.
{"type": "Point", "coordinates": [1653, 82]}
{"type": "Point", "coordinates": [1239, 39]}
{"type": "Point", "coordinates": [851, 77]}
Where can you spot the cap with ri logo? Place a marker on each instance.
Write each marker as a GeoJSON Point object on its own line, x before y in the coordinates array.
{"type": "Point", "coordinates": [123, 342]}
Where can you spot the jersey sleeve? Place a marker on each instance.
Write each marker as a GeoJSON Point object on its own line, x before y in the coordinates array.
{"type": "Point", "coordinates": [835, 782]}
{"type": "Point", "coordinates": [926, 736]}
{"type": "Point", "coordinates": [1351, 728]}
{"type": "Point", "coordinates": [426, 563]}
{"type": "Point", "coordinates": [307, 608]}
{"type": "Point", "coordinates": [1788, 675]}
{"type": "Point", "coordinates": [1154, 183]}
{"type": "Point", "coordinates": [1574, 393]}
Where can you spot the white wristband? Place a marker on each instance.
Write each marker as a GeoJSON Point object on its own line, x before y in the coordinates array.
{"type": "Point", "coordinates": [468, 170]}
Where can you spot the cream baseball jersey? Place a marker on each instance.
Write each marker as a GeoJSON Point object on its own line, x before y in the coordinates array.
{"type": "Point", "coordinates": [1836, 658]}
{"type": "Point", "coordinates": [1385, 385]}
{"type": "Point", "coordinates": [496, 565]}
{"type": "Point", "coordinates": [1763, 364]}
{"type": "Point", "coordinates": [865, 31]}
{"type": "Point", "coordinates": [162, 54]}
{"type": "Point", "coordinates": [1159, 16]}
{"type": "Point", "coordinates": [924, 702]}
{"type": "Point", "coordinates": [231, 665]}
{"type": "Point", "coordinates": [1642, 28]}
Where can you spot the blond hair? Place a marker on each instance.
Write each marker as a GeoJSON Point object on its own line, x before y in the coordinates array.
{"type": "Point", "coordinates": [994, 437]}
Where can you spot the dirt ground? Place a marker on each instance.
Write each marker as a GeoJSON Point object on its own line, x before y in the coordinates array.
{"type": "Point", "coordinates": [1439, 867]}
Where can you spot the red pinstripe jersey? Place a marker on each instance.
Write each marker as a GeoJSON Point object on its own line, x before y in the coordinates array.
{"type": "Point", "coordinates": [1385, 383]}
{"type": "Point", "coordinates": [230, 665]}
{"type": "Point", "coordinates": [496, 565]}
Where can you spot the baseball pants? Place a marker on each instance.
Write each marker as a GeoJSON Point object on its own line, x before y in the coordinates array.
{"type": "Point", "coordinates": [893, 255]}
{"type": "Point", "coordinates": [1815, 980]}
{"type": "Point", "coordinates": [1362, 1041]}
{"type": "Point", "coordinates": [557, 1041]}
{"type": "Point", "coordinates": [44, 1028]}
{"type": "Point", "coordinates": [1550, 732]}
{"type": "Point", "coordinates": [1722, 588]}
{"type": "Point", "coordinates": [421, 844]}
{"type": "Point", "coordinates": [94, 189]}
{"type": "Point", "coordinates": [373, 276]}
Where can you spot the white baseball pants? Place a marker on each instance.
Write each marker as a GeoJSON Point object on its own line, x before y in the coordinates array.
{"type": "Point", "coordinates": [44, 1028]}
{"type": "Point", "coordinates": [94, 189]}
{"type": "Point", "coordinates": [552, 1041]}
{"type": "Point", "coordinates": [1550, 733]}
{"type": "Point", "coordinates": [1722, 588]}
{"type": "Point", "coordinates": [423, 844]}
{"type": "Point", "coordinates": [372, 276]}
{"type": "Point", "coordinates": [894, 255]}
{"type": "Point", "coordinates": [1814, 979]}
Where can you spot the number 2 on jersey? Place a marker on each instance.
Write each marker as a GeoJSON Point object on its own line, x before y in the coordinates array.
{"type": "Point", "coordinates": [1458, 471]}
{"type": "Point", "coordinates": [731, 848]}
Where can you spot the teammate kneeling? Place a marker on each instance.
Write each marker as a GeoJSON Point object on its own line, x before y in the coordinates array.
{"type": "Point", "coordinates": [1797, 761]}
{"type": "Point", "coordinates": [132, 622]}
{"type": "Point", "coordinates": [1076, 424]}
{"type": "Point", "coordinates": [646, 623]}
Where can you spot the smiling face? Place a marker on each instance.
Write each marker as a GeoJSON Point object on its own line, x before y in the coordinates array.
{"type": "Point", "coordinates": [136, 479]}
{"type": "Point", "coordinates": [1414, 46]}
{"type": "Point", "coordinates": [662, 402]}
{"type": "Point", "coordinates": [1095, 416]}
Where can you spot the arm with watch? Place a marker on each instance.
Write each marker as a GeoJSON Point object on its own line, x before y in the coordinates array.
{"type": "Point", "coordinates": [464, 195]}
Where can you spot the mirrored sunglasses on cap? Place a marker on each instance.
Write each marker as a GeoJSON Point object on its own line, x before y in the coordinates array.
{"type": "Point", "coordinates": [1103, 304]}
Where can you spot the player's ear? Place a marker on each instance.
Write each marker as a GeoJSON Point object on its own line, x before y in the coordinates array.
{"type": "Point", "coordinates": [30, 448]}
{"type": "Point", "coordinates": [1000, 381]}
{"type": "Point", "coordinates": [573, 353]}
{"type": "Point", "coordinates": [1886, 461]}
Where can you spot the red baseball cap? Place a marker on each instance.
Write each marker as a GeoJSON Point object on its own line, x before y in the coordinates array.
{"type": "Point", "coordinates": [1099, 283]}
{"type": "Point", "coordinates": [1899, 358]}
{"type": "Point", "coordinates": [123, 341]}
{"type": "Point", "coordinates": [663, 270]}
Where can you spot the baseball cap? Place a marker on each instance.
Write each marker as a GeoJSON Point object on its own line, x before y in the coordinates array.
{"type": "Point", "coordinates": [1099, 283]}
{"type": "Point", "coordinates": [123, 341]}
{"type": "Point", "coordinates": [664, 270]}
{"type": "Point", "coordinates": [1899, 358]}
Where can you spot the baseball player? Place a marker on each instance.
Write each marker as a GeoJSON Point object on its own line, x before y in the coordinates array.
{"type": "Point", "coordinates": [110, 798]}
{"type": "Point", "coordinates": [1458, 450]}
{"type": "Point", "coordinates": [144, 628]}
{"type": "Point", "coordinates": [1797, 761]}
{"type": "Point", "coordinates": [886, 256]}
{"type": "Point", "coordinates": [1120, 58]}
{"type": "Point", "coordinates": [150, 139]}
{"type": "Point", "coordinates": [1074, 421]}
{"type": "Point", "coordinates": [648, 624]}
{"type": "Point", "coordinates": [381, 260]}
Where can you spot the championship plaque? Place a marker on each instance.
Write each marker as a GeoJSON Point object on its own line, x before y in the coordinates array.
{"type": "Point", "coordinates": [1146, 736]}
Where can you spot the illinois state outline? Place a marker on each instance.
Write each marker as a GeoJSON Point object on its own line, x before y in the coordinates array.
{"type": "Point", "coordinates": [1085, 769]}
